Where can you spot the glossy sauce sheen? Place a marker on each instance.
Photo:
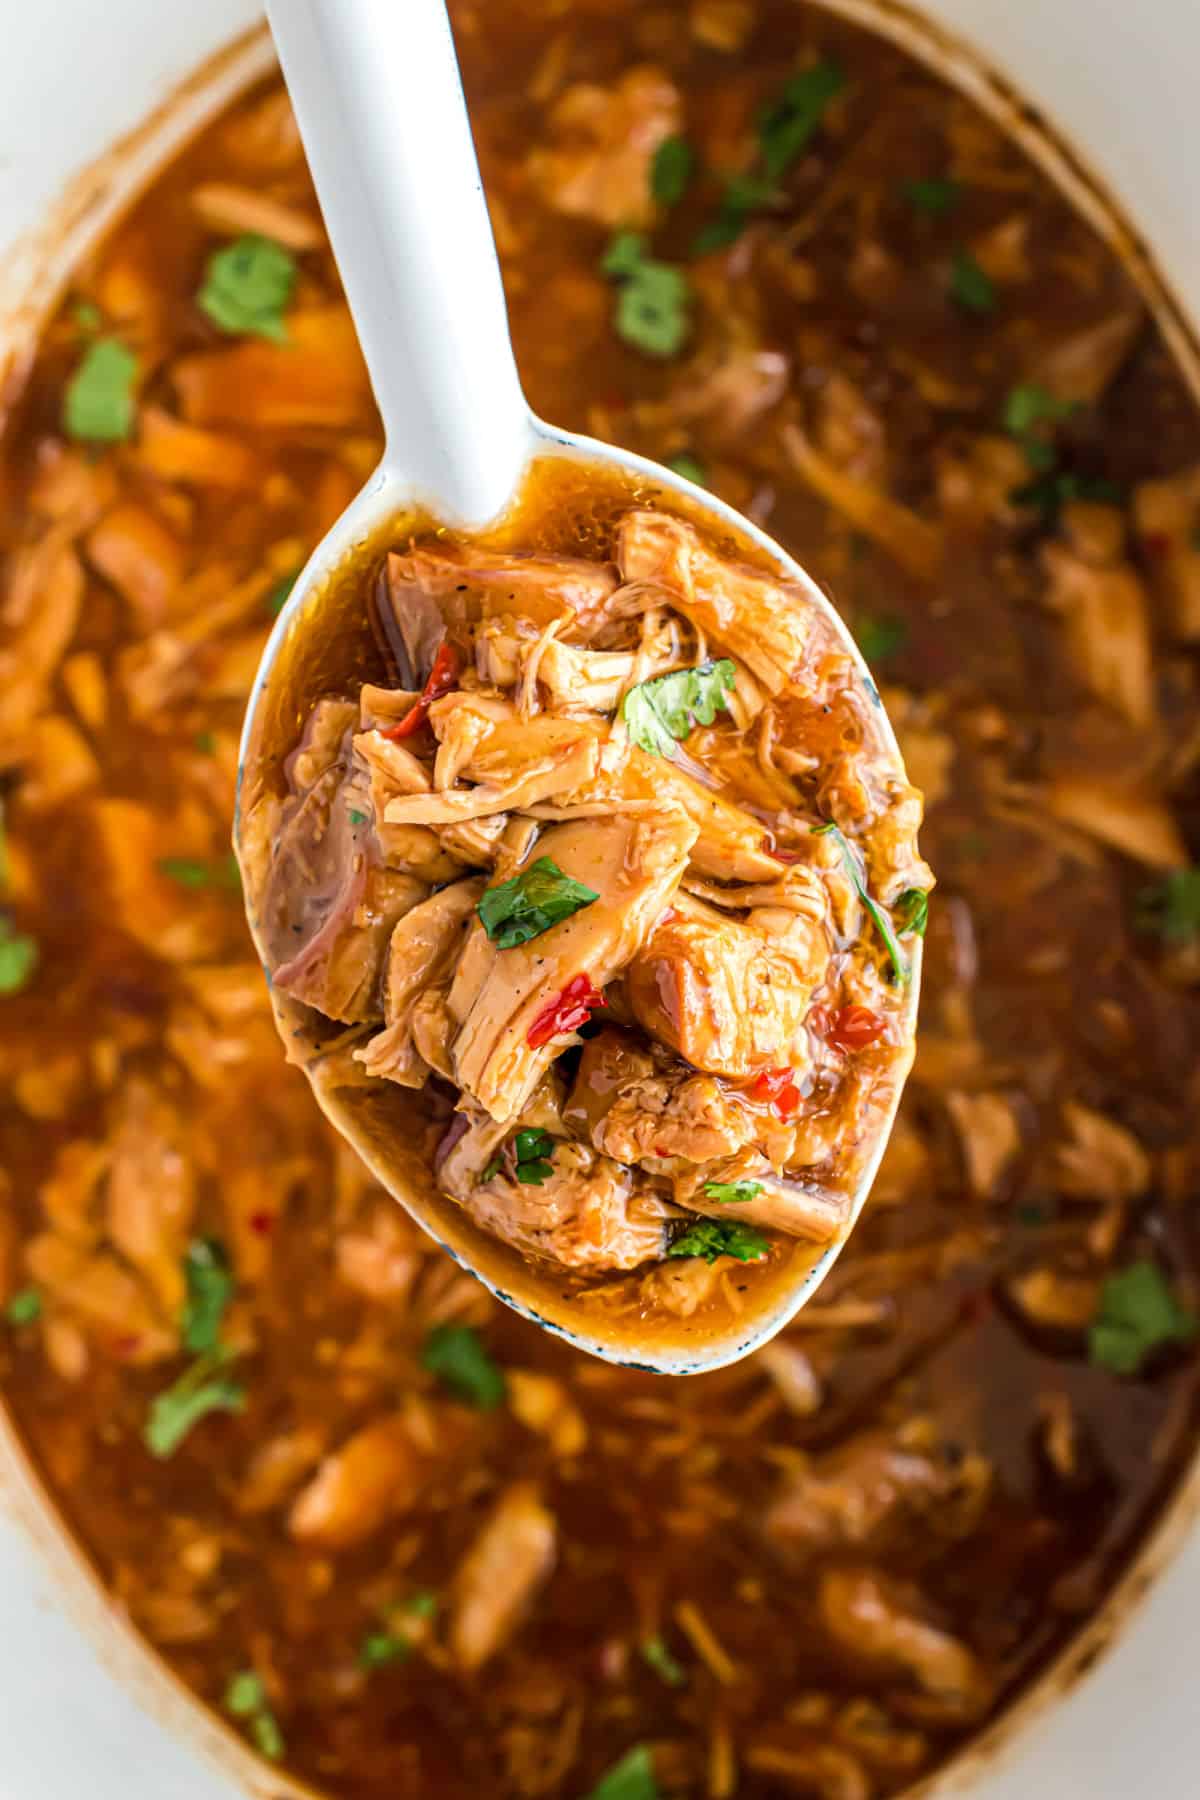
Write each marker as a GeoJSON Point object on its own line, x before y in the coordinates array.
{"type": "Point", "coordinates": [749, 1509]}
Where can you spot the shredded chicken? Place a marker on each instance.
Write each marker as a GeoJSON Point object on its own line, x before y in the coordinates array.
{"type": "Point", "coordinates": [501, 1575]}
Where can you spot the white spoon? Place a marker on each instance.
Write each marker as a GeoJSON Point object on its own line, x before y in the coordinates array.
{"type": "Point", "coordinates": [377, 94]}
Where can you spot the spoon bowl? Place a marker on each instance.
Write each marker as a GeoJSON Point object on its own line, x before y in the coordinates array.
{"type": "Point", "coordinates": [404, 207]}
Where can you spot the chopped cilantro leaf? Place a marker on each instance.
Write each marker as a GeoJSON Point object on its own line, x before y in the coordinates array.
{"type": "Point", "coordinates": [671, 170]}
{"type": "Point", "coordinates": [1028, 405]}
{"type": "Point", "coordinates": [379, 1648]}
{"type": "Point", "coordinates": [455, 1354]}
{"type": "Point", "coordinates": [534, 1150]}
{"type": "Point", "coordinates": [194, 872]}
{"type": "Point", "coordinates": [421, 1605]}
{"type": "Point", "coordinates": [912, 912]}
{"type": "Point", "coordinates": [277, 599]}
{"type": "Point", "coordinates": [882, 923]}
{"type": "Point", "coordinates": [657, 1655]}
{"type": "Point", "coordinates": [266, 1736]}
{"type": "Point", "coordinates": [882, 637]}
{"type": "Point", "coordinates": [711, 1238]}
{"type": "Point", "coordinates": [98, 405]}
{"type": "Point", "coordinates": [690, 467]}
{"type": "Point", "coordinates": [210, 1285]}
{"type": "Point", "coordinates": [652, 298]}
{"type": "Point", "coordinates": [1058, 488]}
{"type": "Point", "coordinates": [245, 1694]}
{"type": "Point", "coordinates": [492, 1170]}
{"type": "Point", "coordinates": [788, 122]}
{"type": "Point", "coordinates": [356, 817]}
{"type": "Point", "coordinates": [247, 286]}
{"type": "Point", "coordinates": [659, 713]}
{"type": "Point", "coordinates": [935, 196]}
{"type": "Point", "coordinates": [24, 1307]}
{"type": "Point", "coordinates": [205, 742]}
{"type": "Point", "coordinates": [1171, 908]}
{"type": "Point", "coordinates": [970, 285]}
{"type": "Point", "coordinates": [203, 1388]}
{"type": "Point", "coordinates": [785, 127]}
{"type": "Point", "coordinates": [18, 958]}
{"type": "Point", "coordinates": [630, 1779]}
{"type": "Point", "coordinates": [1138, 1315]}
{"type": "Point", "coordinates": [732, 1193]}
{"type": "Point", "coordinates": [534, 900]}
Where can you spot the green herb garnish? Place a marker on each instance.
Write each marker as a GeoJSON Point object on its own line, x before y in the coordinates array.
{"type": "Point", "coordinates": [878, 638]}
{"type": "Point", "coordinates": [732, 1193]}
{"type": "Point", "coordinates": [210, 1286]}
{"type": "Point", "coordinates": [935, 197]}
{"type": "Point", "coordinates": [534, 1150]}
{"type": "Point", "coordinates": [98, 405]}
{"type": "Point", "coordinates": [711, 1238]}
{"type": "Point", "coordinates": [1055, 490]}
{"type": "Point", "coordinates": [787, 123]}
{"type": "Point", "coordinates": [652, 312]}
{"type": "Point", "coordinates": [356, 817]}
{"type": "Point", "coordinates": [247, 286]}
{"type": "Point", "coordinates": [205, 742]}
{"type": "Point", "coordinates": [883, 924]}
{"type": "Point", "coordinates": [656, 1654]}
{"type": "Point", "coordinates": [492, 1170]}
{"type": "Point", "coordinates": [671, 170]}
{"type": "Point", "coordinates": [1171, 908]}
{"type": "Point", "coordinates": [203, 1388]}
{"type": "Point", "coordinates": [912, 912]}
{"type": "Point", "coordinates": [1138, 1315]}
{"type": "Point", "coordinates": [87, 315]}
{"type": "Point", "coordinates": [379, 1648]}
{"type": "Point", "coordinates": [785, 126]}
{"type": "Point", "coordinates": [278, 597]}
{"type": "Point", "coordinates": [18, 958]}
{"type": "Point", "coordinates": [690, 467]}
{"type": "Point", "coordinates": [24, 1307]}
{"type": "Point", "coordinates": [195, 872]}
{"type": "Point", "coordinates": [1029, 405]}
{"type": "Point", "coordinates": [661, 712]}
{"type": "Point", "coordinates": [539, 897]}
{"type": "Point", "coordinates": [246, 1698]}
{"type": "Point", "coordinates": [630, 1779]}
{"type": "Point", "coordinates": [970, 285]}
{"type": "Point", "coordinates": [456, 1355]}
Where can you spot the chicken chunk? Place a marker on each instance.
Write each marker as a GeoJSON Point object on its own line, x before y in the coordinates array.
{"type": "Point", "coordinates": [603, 145]}
{"type": "Point", "coordinates": [422, 951]}
{"type": "Point", "coordinates": [501, 1575]}
{"type": "Point", "coordinates": [590, 1214]}
{"type": "Point", "coordinates": [874, 1493]}
{"type": "Point", "coordinates": [512, 763]}
{"type": "Point", "coordinates": [747, 612]}
{"type": "Point", "coordinates": [634, 866]}
{"type": "Point", "coordinates": [1167, 516]}
{"type": "Point", "coordinates": [328, 905]}
{"type": "Point", "coordinates": [151, 1192]}
{"type": "Point", "coordinates": [1106, 619]}
{"type": "Point", "coordinates": [635, 1105]}
{"type": "Point", "coordinates": [730, 996]}
{"type": "Point", "coordinates": [374, 1475]}
{"type": "Point", "coordinates": [469, 588]}
{"type": "Point", "coordinates": [877, 1621]}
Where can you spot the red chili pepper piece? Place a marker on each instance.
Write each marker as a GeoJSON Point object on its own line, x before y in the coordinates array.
{"type": "Point", "coordinates": [779, 1087]}
{"type": "Point", "coordinates": [566, 1012]}
{"type": "Point", "coordinates": [854, 1027]}
{"type": "Point", "coordinates": [442, 677]}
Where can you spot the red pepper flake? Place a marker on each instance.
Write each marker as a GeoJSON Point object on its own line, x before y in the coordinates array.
{"type": "Point", "coordinates": [779, 1087]}
{"type": "Point", "coordinates": [442, 677]}
{"type": "Point", "coordinates": [566, 1012]}
{"type": "Point", "coordinates": [789, 856]}
{"type": "Point", "coordinates": [854, 1028]}
{"type": "Point", "coordinates": [127, 1346]}
{"type": "Point", "coordinates": [261, 1222]}
{"type": "Point", "coordinates": [1156, 545]}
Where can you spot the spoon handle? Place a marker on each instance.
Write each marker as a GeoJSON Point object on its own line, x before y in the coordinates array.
{"type": "Point", "coordinates": [378, 97]}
